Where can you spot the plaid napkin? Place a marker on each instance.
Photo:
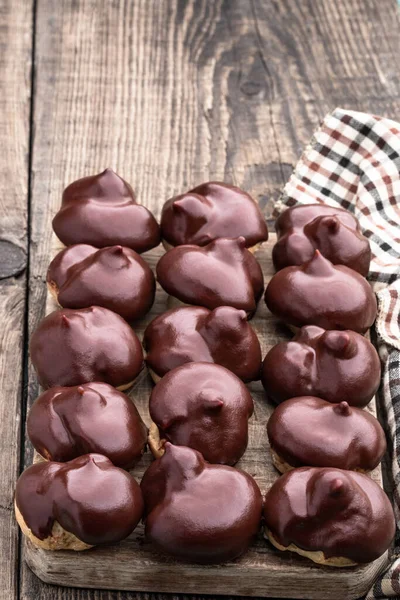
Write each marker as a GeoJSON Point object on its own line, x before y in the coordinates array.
{"type": "Point", "coordinates": [353, 161]}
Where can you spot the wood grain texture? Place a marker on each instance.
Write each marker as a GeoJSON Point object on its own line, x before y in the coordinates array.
{"type": "Point", "coordinates": [261, 571]}
{"type": "Point", "coordinates": [15, 62]}
{"type": "Point", "coordinates": [173, 92]}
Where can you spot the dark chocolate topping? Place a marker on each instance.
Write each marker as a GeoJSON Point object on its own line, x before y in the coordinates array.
{"type": "Point", "coordinates": [341, 513]}
{"type": "Point", "coordinates": [101, 210]}
{"type": "Point", "coordinates": [334, 365]}
{"type": "Point", "coordinates": [335, 232]}
{"type": "Point", "coordinates": [210, 211]}
{"type": "Point", "coordinates": [58, 271]}
{"type": "Point", "coordinates": [66, 422]}
{"type": "Point", "coordinates": [195, 334]}
{"type": "Point", "coordinates": [223, 273]}
{"type": "Point", "coordinates": [70, 347]}
{"type": "Point", "coordinates": [206, 407]}
{"type": "Point", "coordinates": [115, 277]}
{"type": "Point", "coordinates": [199, 512]}
{"type": "Point", "coordinates": [88, 496]}
{"type": "Point", "coordinates": [323, 294]}
{"type": "Point", "coordinates": [309, 432]}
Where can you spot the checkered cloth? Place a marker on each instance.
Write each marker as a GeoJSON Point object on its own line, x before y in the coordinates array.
{"type": "Point", "coordinates": [353, 161]}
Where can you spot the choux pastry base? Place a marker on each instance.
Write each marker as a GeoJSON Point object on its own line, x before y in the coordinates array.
{"type": "Point", "coordinates": [294, 329]}
{"type": "Point", "coordinates": [156, 378]}
{"type": "Point", "coordinates": [253, 249]}
{"type": "Point", "coordinates": [38, 458]}
{"type": "Point", "coordinates": [53, 290]}
{"type": "Point", "coordinates": [279, 463]}
{"type": "Point", "coordinates": [60, 539]}
{"type": "Point", "coordinates": [156, 444]}
{"type": "Point", "coordinates": [316, 556]}
{"type": "Point", "coordinates": [167, 245]}
{"type": "Point", "coordinates": [127, 386]}
{"type": "Point", "coordinates": [173, 302]}
{"type": "Point", "coordinates": [283, 466]}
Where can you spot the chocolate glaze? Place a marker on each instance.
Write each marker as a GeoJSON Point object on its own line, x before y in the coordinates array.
{"type": "Point", "coordinates": [199, 512]}
{"type": "Point", "coordinates": [341, 513]}
{"type": "Point", "coordinates": [88, 496]}
{"type": "Point", "coordinates": [334, 365]}
{"type": "Point", "coordinates": [210, 211]}
{"type": "Point", "coordinates": [115, 277]}
{"type": "Point", "coordinates": [205, 407]}
{"type": "Point", "coordinates": [223, 273]}
{"type": "Point", "coordinates": [335, 232]}
{"type": "Point", "coordinates": [196, 334]}
{"type": "Point", "coordinates": [70, 347]}
{"type": "Point", "coordinates": [308, 431]}
{"type": "Point", "coordinates": [323, 294]}
{"type": "Point", "coordinates": [101, 210]}
{"type": "Point", "coordinates": [66, 422]}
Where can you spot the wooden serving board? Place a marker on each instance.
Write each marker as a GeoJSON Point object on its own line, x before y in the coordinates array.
{"type": "Point", "coordinates": [262, 571]}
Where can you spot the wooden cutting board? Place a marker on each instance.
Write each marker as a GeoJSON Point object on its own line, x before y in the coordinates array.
{"type": "Point", "coordinates": [262, 571]}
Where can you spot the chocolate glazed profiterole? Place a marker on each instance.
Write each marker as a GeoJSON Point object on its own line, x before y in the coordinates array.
{"type": "Point", "coordinates": [198, 512]}
{"type": "Point", "coordinates": [78, 504]}
{"type": "Point", "coordinates": [222, 273]}
{"type": "Point", "coordinates": [310, 432]}
{"type": "Point", "coordinates": [195, 334]}
{"type": "Point", "coordinates": [70, 347]}
{"type": "Point", "coordinates": [334, 365]}
{"type": "Point", "coordinates": [334, 517]}
{"type": "Point", "coordinates": [66, 422]}
{"type": "Point", "coordinates": [209, 211]}
{"type": "Point", "coordinates": [115, 277]}
{"type": "Point", "coordinates": [101, 210]}
{"type": "Point", "coordinates": [323, 294]}
{"type": "Point", "coordinates": [203, 406]}
{"type": "Point", "coordinates": [335, 232]}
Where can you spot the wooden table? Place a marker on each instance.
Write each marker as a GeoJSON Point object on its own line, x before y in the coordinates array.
{"type": "Point", "coordinates": [169, 93]}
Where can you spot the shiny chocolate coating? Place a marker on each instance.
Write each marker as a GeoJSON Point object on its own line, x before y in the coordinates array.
{"type": "Point", "coordinates": [323, 294]}
{"type": "Point", "coordinates": [101, 210]}
{"type": "Point", "coordinates": [199, 512]}
{"type": "Point", "coordinates": [115, 277]}
{"type": "Point", "coordinates": [335, 232]}
{"type": "Point", "coordinates": [223, 273]}
{"type": "Point", "coordinates": [87, 496]}
{"type": "Point", "coordinates": [209, 211]}
{"type": "Point", "coordinates": [337, 366]}
{"type": "Point", "coordinates": [66, 422]}
{"type": "Point", "coordinates": [195, 334]}
{"type": "Point", "coordinates": [70, 347]}
{"type": "Point", "coordinates": [206, 407]}
{"type": "Point", "coordinates": [310, 432]}
{"type": "Point", "coordinates": [341, 513]}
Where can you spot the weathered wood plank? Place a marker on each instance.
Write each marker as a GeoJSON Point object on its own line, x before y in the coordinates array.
{"type": "Point", "coordinates": [15, 62]}
{"type": "Point", "coordinates": [170, 93]}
